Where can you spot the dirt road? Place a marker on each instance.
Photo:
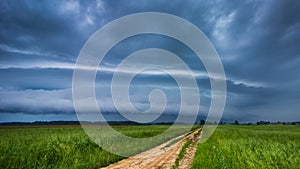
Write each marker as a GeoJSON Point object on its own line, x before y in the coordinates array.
{"type": "Point", "coordinates": [162, 156]}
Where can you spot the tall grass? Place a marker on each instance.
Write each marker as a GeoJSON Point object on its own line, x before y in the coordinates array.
{"type": "Point", "coordinates": [127, 146]}
{"type": "Point", "coordinates": [67, 147]}
{"type": "Point", "coordinates": [51, 148]}
{"type": "Point", "coordinates": [265, 146]}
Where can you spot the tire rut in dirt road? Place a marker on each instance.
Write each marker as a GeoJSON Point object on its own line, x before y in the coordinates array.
{"type": "Point", "coordinates": [161, 157]}
{"type": "Point", "coordinates": [189, 155]}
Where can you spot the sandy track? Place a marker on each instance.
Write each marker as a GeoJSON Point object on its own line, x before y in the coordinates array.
{"type": "Point", "coordinates": [161, 157]}
{"type": "Point", "coordinates": [188, 158]}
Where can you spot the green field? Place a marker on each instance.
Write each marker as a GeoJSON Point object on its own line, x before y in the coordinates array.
{"type": "Point", "coordinates": [68, 146]}
{"type": "Point", "coordinates": [257, 146]}
{"type": "Point", "coordinates": [51, 148]}
{"type": "Point", "coordinates": [231, 146]}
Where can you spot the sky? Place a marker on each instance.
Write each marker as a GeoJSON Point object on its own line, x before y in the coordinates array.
{"type": "Point", "coordinates": [258, 43]}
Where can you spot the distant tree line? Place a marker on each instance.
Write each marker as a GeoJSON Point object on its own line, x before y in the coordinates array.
{"type": "Point", "coordinates": [57, 123]}
{"type": "Point", "coordinates": [201, 122]}
{"type": "Point", "coordinates": [236, 122]}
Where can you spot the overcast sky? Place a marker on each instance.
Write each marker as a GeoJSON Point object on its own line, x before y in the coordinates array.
{"type": "Point", "coordinates": [257, 41]}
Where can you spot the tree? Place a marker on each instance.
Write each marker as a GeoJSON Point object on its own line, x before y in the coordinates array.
{"type": "Point", "coordinates": [236, 122]}
{"type": "Point", "coordinates": [202, 122]}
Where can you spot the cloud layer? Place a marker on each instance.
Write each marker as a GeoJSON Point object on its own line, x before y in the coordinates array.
{"type": "Point", "coordinates": [258, 42]}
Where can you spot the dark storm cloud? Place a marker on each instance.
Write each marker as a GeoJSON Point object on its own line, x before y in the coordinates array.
{"type": "Point", "coordinates": [264, 41]}
{"type": "Point", "coordinates": [258, 42]}
{"type": "Point", "coordinates": [263, 37]}
{"type": "Point", "coordinates": [56, 27]}
{"type": "Point", "coordinates": [22, 79]}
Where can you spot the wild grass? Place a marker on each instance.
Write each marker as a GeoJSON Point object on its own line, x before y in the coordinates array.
{"type": "Point", "coordinates": [181, 153]}
{"type": "Point", "coordinates": [63, 147]}
{"type": "Point", "coordinates": [262, 146]}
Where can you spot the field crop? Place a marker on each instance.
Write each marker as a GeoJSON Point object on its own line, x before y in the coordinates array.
{"type": "Point", "coordinates": [261, 146]}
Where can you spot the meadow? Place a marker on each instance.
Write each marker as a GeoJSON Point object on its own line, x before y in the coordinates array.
{"type": "Point", "coordinates": [64, 146]}
{"type": "Point", "coordinates": [254, 146]}
{"type": "Point", "coordinates": [231, 146]}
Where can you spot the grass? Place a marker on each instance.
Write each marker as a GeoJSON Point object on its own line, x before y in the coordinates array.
{"type": "Point", "coordinates": [181, 153]}
{"type": "Point", "coordinates": [51, 148]}
{"type": "Point", "coordinates": [184, 149]}
{"type": "Point", "coordinates": [231, 146]}
{"type": "Point", "coordinates": [239, 146]}
{"type": "Point", "coordinates": [129, 147]}
{"type": "Point", "coordinates": [63, 147]}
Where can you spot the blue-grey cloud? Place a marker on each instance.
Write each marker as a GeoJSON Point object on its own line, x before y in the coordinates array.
{"type": "Point", "coordinates": [258, 42]}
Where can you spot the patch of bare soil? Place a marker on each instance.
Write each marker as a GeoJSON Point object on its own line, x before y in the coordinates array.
{"type": "Point", "coordinates": [160, 157]}
{"type": "Point", "coordinates": [189, 155]}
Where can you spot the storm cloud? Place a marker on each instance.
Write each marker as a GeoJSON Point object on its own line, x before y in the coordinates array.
{"type": "Point", "coordinates": [257, 41]}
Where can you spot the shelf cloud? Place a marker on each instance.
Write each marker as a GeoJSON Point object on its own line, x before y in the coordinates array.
{"type": "Point", "coordinates": [257, 41]}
